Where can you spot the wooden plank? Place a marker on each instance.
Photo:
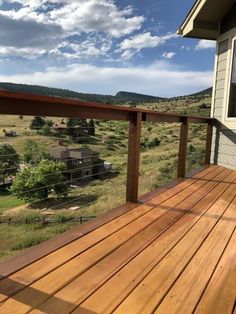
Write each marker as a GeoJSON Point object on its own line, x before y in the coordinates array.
{"type": "Point", "coordinates": [199, 271]}
{"type": "Point", "coordinates": [183, 149]}
{"type": "Point", "coordinates": [152, 116]}
{"type": "Point", "coordinates": [220, 294]}
{"type": "Point", "coordinates": [79, 289]}
{"type": "Point", "coordinates": [133, 158]}
{"type": "Point", "coordinates": [126, 251]}
{"type": "Point", "coordinates": [55, 280]}
{"type": "Point", "coordinates": [149, 195]}
{"type": "Point", "coordinates": [162, 277]}
{"type": "Point", "coordinates": [234, 310]}
{"type": "Point", "coordinates": [124, 281]}
{"type": "Point", "coordinates": [99, 234]}
{"type": "Point", "coordinates": [41, 267]}
{"type": "Point", "coordinates": [208, 144]}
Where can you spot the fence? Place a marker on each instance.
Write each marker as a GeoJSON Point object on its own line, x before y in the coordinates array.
{"type": "Point", "coordinates": [26, 104]}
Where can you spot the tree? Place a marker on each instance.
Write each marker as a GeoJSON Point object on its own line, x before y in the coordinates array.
{"type": "Point", "coordinates": [34, 152]}
{"type": "Point", "coordinates": [50, 123]}
{"type": "Point", "coordinates": [36, 182]}
{"type": "Point", "coordinates": [71, 124]}
{"type": "Point", "coordinates": [9, 161]}
{"type": "Point", "coordinates": [37, 123]}
{"type": "Point", "coordinates": [91, 127]}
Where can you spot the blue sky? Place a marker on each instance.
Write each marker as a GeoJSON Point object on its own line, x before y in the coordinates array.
{"type": "Point", "coordinates": [103, 46]}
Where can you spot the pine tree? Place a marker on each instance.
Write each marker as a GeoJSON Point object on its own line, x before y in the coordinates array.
{"type": "Point", "coordinates": [91, 127]}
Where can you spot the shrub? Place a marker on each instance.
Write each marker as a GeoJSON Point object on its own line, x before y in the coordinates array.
{"type": "Point", "coordinates": [63, 217]}
{"type": "Point", "coordinates": [31, 217]}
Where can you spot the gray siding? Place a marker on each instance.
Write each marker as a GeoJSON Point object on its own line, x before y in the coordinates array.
{"type": "Point", "coordinates": [220, 79]}
{"type": "Point", "coordinates": [224, 140]}
{"type": "Point", "coordinates": [224, 148]}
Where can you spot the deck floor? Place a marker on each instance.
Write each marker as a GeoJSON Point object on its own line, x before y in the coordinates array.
{"type": "Point", "coordinates": [174, 253]}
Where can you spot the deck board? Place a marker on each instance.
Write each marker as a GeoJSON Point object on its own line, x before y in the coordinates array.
{"type": "Point", "coordinates": [171, 254]}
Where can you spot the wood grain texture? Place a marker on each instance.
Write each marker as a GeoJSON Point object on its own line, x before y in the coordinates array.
{"type": "Point", "coordinates": [183, 144]}
{"type": "Point", "coordinates": [169, 254]}
{"type": "Point", "coordinates": [33, 105]}
{"type": "Point", "coordinates": [220, 293]}
{"type": "Point", "coordinates": [132, 184]}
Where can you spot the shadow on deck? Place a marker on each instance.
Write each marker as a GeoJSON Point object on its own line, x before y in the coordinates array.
{"type": "Point", "coordinates": [172, 253]}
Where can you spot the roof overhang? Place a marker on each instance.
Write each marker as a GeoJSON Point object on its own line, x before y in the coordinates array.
{"type": "Point", "coordinates": [204, 18]}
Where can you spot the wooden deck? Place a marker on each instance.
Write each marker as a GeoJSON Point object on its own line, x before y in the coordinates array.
{"type": "Point", "coordinates": [174, 253]}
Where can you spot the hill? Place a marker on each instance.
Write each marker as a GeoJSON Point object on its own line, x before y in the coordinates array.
{"type": "Point", "coordinates": [137, 97]}
{"type": "Point", "coordinates": [57, 92]}
{"type": "Point", "coordinates": [207, 91]}
{"type": "Point", "coordinates": [120, 97]}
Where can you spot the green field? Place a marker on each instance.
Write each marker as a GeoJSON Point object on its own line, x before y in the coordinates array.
{"type": "Point", "coordinates": [8, 201]}
{"type": "Point", "coordinates": [158, 166]}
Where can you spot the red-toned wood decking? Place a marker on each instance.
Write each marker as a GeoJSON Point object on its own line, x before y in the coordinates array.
{"type": "Point", "coordinates": [174, 253]}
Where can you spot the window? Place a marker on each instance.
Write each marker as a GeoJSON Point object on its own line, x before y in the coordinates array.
{"type": "Point", "coordinates": [232, 96]}
{"type": "Point", "coordinates": [87, 159]}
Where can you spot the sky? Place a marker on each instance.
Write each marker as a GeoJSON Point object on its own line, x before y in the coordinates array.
{"type": "Point", "coordinates": [103, 46]}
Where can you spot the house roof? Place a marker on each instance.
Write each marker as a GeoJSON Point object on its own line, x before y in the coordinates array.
{"type": "Point", "coordinates": [204, 18]}
{"type": "Point", "coordinates": [71, 152]}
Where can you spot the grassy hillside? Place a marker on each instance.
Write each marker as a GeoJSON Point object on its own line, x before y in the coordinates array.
{"type": "Point", "coordinates": [120, 97]}
{"type": "Point", "coordinates": [158, 166]}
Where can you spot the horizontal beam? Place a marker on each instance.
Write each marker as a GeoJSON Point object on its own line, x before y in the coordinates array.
{"type": "Point", "coordinates": [172, 118]}
{"type": "Point", "coordinates": [38, 108]}
{"type": "Point", "coordinates": [34, 105]}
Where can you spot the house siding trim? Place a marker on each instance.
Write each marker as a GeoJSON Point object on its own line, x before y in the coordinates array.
{"type": "Point", "coordinates": [222, 92]}
{"type": "Point", "coordinates": [224, 135]}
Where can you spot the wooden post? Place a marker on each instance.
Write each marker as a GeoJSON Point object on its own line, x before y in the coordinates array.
{"type": "Point", "coordinates": [133, 157]}
{"type": "Point", "coordinates": [183, 145]}
{"type": "Point", "coordinates": [208, 143]}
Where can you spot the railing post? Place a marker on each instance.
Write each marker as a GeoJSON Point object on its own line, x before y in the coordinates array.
{"type": "Point", "coordinates": [208, 143]}
{"type": "Point", "coordinates": [183, 145]}
{"type": "Point", "coordinates": [133, 157]}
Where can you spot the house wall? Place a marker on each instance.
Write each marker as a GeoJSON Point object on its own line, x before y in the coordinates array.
{"type": "Point", "coordinates": [224, 135]}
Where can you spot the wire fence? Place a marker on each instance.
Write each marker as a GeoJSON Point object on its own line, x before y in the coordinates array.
{"type": "Point", "coordinates": [46, 220]}
{"type": "Point", "coordinates": [61, 172]}
{"type": "Point", "coordinates": [81, 169]}
{"type": "Point", "coordinates": [64, 182]}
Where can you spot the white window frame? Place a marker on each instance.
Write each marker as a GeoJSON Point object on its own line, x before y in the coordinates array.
{"type": "Point", "coordinates": [228, 122]}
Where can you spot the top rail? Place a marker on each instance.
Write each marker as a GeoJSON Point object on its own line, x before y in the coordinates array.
{"type": "Point", "coordinates": [37, 105]}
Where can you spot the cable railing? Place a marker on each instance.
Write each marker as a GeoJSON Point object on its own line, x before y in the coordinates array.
{"type": "Point", "coordinates": [35, 105]}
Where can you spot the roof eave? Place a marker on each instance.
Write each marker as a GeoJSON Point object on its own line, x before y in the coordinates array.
{"type": "Point", "coordinates": [191, 30]}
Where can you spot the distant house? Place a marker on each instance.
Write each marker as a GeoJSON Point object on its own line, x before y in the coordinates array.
{"type": "Point", "coordinates": [10, 133]}
{"type": "Point", "coordinates": [216, 20]}
{"type": "Point", "coordinates": [79, 162]}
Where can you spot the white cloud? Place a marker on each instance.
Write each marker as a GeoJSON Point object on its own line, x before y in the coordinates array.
{"type": "Point", "coordinates": [161, 79]}
{"type": "Point", "coordinates": [29, 53]}
{"type": "Point", "coordinates": [127, 55]}
{"type": "Point", "coordinates": [205, 44]}
{"type": "Point", "coordinates": [80, 15]}
{"type": "Point", "coordinates": [145, 40]}
{"type": "Point", "coordinates": [22, 34]}
{"type": "Point", "coordinates": [86, 49]}
{"type": "Point", "coordinates": [168, 55]}
{"type": "Point", "coordinates": [50, 25]}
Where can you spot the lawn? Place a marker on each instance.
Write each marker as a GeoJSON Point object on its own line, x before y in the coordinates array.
{"type": "Point", "coordinates": [7, 201]}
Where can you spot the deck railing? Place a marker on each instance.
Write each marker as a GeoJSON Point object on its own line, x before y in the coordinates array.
{"type": "Point", "coordinates": [34, 105]}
